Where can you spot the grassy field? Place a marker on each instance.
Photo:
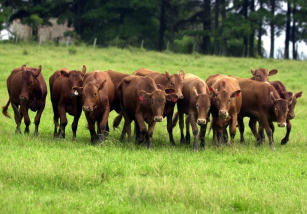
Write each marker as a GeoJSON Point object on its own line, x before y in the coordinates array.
{"type": "Point", "coordinates": [43, 175]}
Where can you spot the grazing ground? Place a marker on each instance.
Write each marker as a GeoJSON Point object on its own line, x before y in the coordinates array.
{"type": "Point", "coordinates": [43, 175]}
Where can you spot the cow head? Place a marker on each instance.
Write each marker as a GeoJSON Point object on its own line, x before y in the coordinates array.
{"type": "Point", "coordinates": [156, 100]}
{"type": "Point", "coordinates": [280, 110]}
{"type": "Point", "coordinates": [202, 105]}
{"type": "Point", "coordinates": [175, 83]}
{"type": "Point", "coordinates": [90, 95]}
{"type": "Point", "coordinates": [30, 81]}
{"type": "Point", "coordinates": [75, 78]}
{"type": "Point", "coordinates": [262, 74]}
{"type": "Point", "coordinates": [292, 102]}
{"type": "Point", "coordinates": [221, 98]}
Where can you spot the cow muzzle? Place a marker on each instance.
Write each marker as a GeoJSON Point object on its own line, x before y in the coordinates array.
{"type": "Point", "coordinates": [201, 121]}
{"type": "Point", "coordinates": [223, 114]}
{"type": "Point", "coordinates": [282, 124]}
{"type": "Point", "coordinates": [158, 118]}
{"type": "Point", "coordinates": [88, 108]}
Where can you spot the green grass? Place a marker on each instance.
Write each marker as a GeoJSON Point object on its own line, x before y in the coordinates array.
{"type": "Point", "coordinates": [42, 175]}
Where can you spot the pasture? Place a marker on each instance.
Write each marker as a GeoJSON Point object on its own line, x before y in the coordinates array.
{"type": "Point", "coordinates": [43, 175]}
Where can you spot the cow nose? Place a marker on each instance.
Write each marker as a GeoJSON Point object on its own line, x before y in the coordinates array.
{"type": "Point", "coordinates": [180, 96]}
{"type": "Point", "coordinates": [158, 118]}
{"type": "Point", "coordinates": [282, 124]}
{"type": "Point", "coordinates": [223, 114]}
{"type": "Point", "coordinates": [22, 98]}
{"type": "Point", "coordinates": [87, 108]}
{"type": "Point", "coordinates": [201, 121]}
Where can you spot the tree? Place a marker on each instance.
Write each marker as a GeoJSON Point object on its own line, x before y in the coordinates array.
{"type": "Point", "coordinates": [272, 28]}
{"type": "Point", "coordinates": [206, 22]}
{"type": "Point", "coordinates": [288, 28]}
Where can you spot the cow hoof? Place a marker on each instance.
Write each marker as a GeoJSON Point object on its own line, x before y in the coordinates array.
{"type": "Point", "coordinates": [195, 149]}
{"type": "Point", "coordinates": [101, 137]}
{"type": "Point", "coordinates": [182, 141]}
{"type": "Point", "coordinates": [284, 141]}
{"type": "Point", "coordinates": [273, 148]}
{"type": "Point", "coordinates": [35, 134]}
{"type": "Point", "coordinates": [18, 131]}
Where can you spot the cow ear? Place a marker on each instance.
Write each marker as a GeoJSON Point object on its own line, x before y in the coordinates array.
{"type": "Point", "coordinates": [171, 97]}
{"type": "Point", "coordinates": [23, 67]}
{"type": "Point", "coordinates": [181, 73]}
{"type": "Point", "coordinates": [143, 94]}
{"type": "Point", "coordinates": [102, 84]}
{"type": "Point", "coordinates": [236, 93]}
{"type": "Point", "coordinates": [253, 71]}
{"type": "Point", "coordinates": [167, 74]}
{"type": "Point", "coordinates": [38, 71]}
{"type": "Point", "coordinates": [273, 97]}
{"type": "Point", "coordinates": [77, 90]}
{"type": "Point", "coordinates": [298, 94]}
{"type": "Point", "coordinates": [273, 72]}
{"type": "Point", "coordinates": [64, 73]}
{"type": "Point", "coordinates": [212, 92]}
{"type": "Point", "coordinates": [84, 69]}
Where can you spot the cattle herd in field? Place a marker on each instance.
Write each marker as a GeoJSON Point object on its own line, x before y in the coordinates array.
{"type": "Point", "coordinates": [147, 97]}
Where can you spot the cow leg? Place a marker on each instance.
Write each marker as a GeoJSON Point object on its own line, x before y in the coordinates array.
{"type": "Point", "coordinates": [233, 127]}
{"type": "Point", "coordinates": [151, 128]}
{"type": "Point", "coordinates": [63, 121]}
{"type": "Point", "coordinates": [202, 135]}
{"type": "Point", "coordinates": [17, 117]}
{"type": "Point", "coordinates": [181, 126]}
{"type": "Point", "coordinates": [241, 129]}
{"type": "Point", "coordinates": [91, 127]}
{"type": "Point", "coordinates": [286, 138]}
{"type": "Point", "coordinates": [265, 124]}
{"type": "Point", "coordinates": [103, 123]}
{"type": "Point", "coordinates": [194, 129]}
{"type": "Point", "coordinates": [141, 126]}
{"type": "Point", "coordinates": [56, 120]}
{"type": "Point", "coordinates": [219, 135]}
{"type": "Point", "coordinates": [24, 111]}
{"type": "Point", "coordinates": [170, 127]}
{"type": "Point", "coordinates": [187, 129]}
{"type": "Point", "coordinates": [74, 125]}
{"type": "Point", "coordinates": [37, 118]}
{"type": "Point", "coordinates": [253, 126]}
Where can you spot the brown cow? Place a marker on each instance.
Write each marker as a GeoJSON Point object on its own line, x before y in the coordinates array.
{"type": "Point", "coordinates": [65, 99]}
{"type": "Point", "coordinates": [171, 84]}
{"type": "Point", "coordinates": [142, 101]}
{"type": "Point", "coordinates": [261, 101]}
{"type": "Point", "coordinates": [27, 89]}
{"type": "Point", "coordinates": [226, 103]}
{"type": "Point", "coordinates": [262, 74]}
{"type": "Point", "coordinates": [196, 105]}
{"type": "Point", "coordinates": [97, 97]}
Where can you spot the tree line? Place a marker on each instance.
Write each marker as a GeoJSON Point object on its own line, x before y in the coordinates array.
{"type": "Point", "coordinates": [218, 27]}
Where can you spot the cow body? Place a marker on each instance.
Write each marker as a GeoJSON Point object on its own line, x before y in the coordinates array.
{"type": "Point", "coordinates": [65, 99]}
{"type": "Point", "coordinates": [196, 105]}
{"type": "Point", "coordinates": [97, 98]}
{"type": "Point", "coordinates": [260, 101]}
{"type": "Point", "coordinates": [226, 101]}
{"type": "Point", "coordinates": [27, 90]}
{"type": "Point", "coordinates": [172, 84]}
{"type": "Point", "coordinates": [141, 102]}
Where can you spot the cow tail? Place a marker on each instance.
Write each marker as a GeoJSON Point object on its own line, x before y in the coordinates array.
{"type": "Point", "coordinates": [117, 120]}
{"type": "Point", "coordinates": [175, 119]}
{"type": "Point", "coordinates": [4, 109]}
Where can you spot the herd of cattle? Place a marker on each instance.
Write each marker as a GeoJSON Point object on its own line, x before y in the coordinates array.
{"type": "Point", "coordinates": [147, 97]}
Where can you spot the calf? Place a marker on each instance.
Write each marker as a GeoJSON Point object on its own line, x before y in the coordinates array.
{"type": "Point", "coordinates": [27, 89]}
{"type": "Point", "coordinates": [142, 101]}
{"type": "Point", "coordinates": [196, 105]}
{"type": "Point", "coordinates": [172, 84]}
{"type": "Point", "coordinates": [226, 103]}
{"type": "Point", "coordinates": [65, 99]}
{"type": "Point", "coordinates": [262, 74]}
{"type": "Point", "coordinates": [97, 98]}
{"type": "Point", "coordinates": [261, 102]}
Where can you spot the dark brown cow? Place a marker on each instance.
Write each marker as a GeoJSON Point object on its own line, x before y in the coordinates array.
{"type": "Point", "coordinates": [262, 74]}
{"type": "Point", "coordinates": [142, 101]}
{"type": "Point", "coordinates": [226, 103]}
{"type": "Point", "coordinates": [65, 99]}
{"type": "Point", "coordinates": [196, 105]}
{"type": "Point", "coordinates": [27, 89]}
{"type": "Point", "coordinates": [97, 97]}
{"type": "Point", "coordinates": [261, 102]}
{"type": "Point", "coordinates": [171, 84]}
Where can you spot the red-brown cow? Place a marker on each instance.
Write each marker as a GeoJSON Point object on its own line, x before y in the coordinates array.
{"type": "Point", "coordinates": [196, 105]}
{"type": "Point", "coordinates": [27, 89]}
{"type": "Point", "coordinates": [226, 103]}
{"type": "Point", "coordinates": [97, 97]}
{"type": "Point", "coordinates": [142, 101]}
{"type": "Point", "coordinates": [261, 101]}
{"type": "Point", "coordinates": [262, 74]}
{"type": "Point", "coordinates": [171, 84]}
{"type": "Point", "coordinates": [65, 99]}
